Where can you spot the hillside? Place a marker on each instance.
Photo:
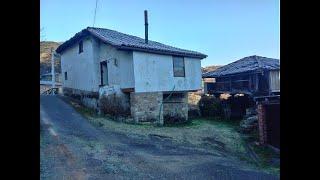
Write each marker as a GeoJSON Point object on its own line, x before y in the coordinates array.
{"type": "Point", "coordinates": [210, 68]}
{"type": "Point", "coordinates": [45, 56]}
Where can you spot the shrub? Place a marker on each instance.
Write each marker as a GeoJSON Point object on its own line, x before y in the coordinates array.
{"type": "Point", "coordinates": [210, 106]}
{"type": "Point", "coordinates": [112, 105]}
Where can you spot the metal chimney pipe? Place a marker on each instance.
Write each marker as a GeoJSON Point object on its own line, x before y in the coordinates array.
{"type": "Point", "coordinates": [146, 26]}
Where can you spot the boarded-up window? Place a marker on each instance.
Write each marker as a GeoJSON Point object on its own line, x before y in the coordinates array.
{"type": "Point", "coordinates": [178, 67]}
{"type": "Point", "coordinates": [80, 47]}
{"type": "Point", "coordinates": [65, 76]}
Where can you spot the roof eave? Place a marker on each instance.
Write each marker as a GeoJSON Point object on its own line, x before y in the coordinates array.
{"type": "Point", "coordinates": [237, 73]}
{"type": "Point", "coordinates": [71, 41]}
{"type": "Point", "coordinates": [123, 47]}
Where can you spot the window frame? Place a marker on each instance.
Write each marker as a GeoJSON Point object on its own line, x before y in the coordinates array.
{"type": "Point", "coordinates": [80, 46]}
{"type": "Point", "coordinates": [184, 66]}
{"type": "Point", "coordinates": [103, 63]}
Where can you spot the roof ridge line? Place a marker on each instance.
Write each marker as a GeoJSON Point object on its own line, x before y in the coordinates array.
{"type": "Point", "coordinates": [259, 63]}
{"type": "Point", "coordinates": [153, 41]}
{"type": "Point", "coordinates": [129, 42]}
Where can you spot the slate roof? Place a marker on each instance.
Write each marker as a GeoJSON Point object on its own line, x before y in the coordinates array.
{"type": "Point", "coordinates": [247, 64]}
{"type": "Point", "coordinates": [128, 42]}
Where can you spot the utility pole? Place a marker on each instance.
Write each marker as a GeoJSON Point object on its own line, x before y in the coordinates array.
{"type": "Point", "coordinates": [52, 70]}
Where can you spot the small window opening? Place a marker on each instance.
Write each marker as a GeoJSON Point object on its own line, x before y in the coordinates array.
{"type": "Point", "coordinates": [80, 47]}
{"type": "Point", "coordinates": [178, 67]}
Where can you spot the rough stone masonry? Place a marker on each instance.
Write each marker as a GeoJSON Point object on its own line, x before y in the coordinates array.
{"type": "Point", "coordinates": [175, 108]}
{"type": "Point", "coordinates": [154, 107]}
{"type": "Point", "coordinates": [159, 108]}
{"type": "Point", "coordinates": [146, 106]}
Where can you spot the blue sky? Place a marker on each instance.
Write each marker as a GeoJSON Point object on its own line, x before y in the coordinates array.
{"type": "Point", "coordinates": [225, 30]}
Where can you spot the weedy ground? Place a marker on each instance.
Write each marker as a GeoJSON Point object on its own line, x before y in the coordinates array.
{"type": "Point", "coordinates": [213, 134]}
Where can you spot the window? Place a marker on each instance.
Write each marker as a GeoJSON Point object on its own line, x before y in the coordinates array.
{"type": "Point", "coordinates": [178, 67]}
{"type": "Point", "coordinates": [80, 47]}
{"type": "Point", "coordinates": [65, 76]}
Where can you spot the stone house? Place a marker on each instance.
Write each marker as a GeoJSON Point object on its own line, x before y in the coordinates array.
{"type": "Point", "coordinates": [151, 78]}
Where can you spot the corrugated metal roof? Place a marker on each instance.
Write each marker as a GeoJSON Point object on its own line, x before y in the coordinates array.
{"type": "Point", "coordinates": [128, 42]}
{"type": "Point", "coordinates": [247, 64]}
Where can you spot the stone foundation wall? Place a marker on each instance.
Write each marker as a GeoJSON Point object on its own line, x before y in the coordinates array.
{"type": "Point", "coordinates": [145, 107]}
{"type": "Point", "coordinates": [116, 105]}
{"type": "Point", "coordinates": [90, 102]}
{"type": "Point", "coordinates": [78, 94]}
{"type": "Point", "coordinates": [175, 108]}
{"type": "Point", "coordinates": [113, 101]}
{"type": "Point", "coordinates": [87, 98]}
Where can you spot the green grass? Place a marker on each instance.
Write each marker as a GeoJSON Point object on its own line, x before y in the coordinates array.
{"type": "Point", "coordinates": [195, 132]}
{"type": "Point", "coordinates": [266, 154]}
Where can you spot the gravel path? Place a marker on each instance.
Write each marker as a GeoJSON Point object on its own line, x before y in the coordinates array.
{"type": "Point", "coordinates": [72, 148]}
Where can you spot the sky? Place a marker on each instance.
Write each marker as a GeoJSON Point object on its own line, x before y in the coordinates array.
{"type": "Point", "coordinates": [225, 30]}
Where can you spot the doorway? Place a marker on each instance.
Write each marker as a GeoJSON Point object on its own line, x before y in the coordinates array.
{"type": "Point", "coordinates": [104, 73]}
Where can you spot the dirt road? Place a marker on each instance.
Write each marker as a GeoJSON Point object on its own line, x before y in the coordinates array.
{"type": "Point", "coordinates": [72, 148]}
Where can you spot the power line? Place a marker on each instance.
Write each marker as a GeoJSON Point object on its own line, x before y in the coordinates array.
{"type": "Point", "coordinates": [95, 11]}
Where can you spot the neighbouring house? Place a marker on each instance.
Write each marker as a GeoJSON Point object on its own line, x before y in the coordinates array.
{"type": "Point", "coordinates": [151, 79]}
{"type": "Point", "coordinates": [252, 75]}
{"type": "Point", "coordinates": [251, 82]}
{"type": "Point", "coordinates": [48, 77]}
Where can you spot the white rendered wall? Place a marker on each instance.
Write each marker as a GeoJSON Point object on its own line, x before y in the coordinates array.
{"type": "Point", "coordinates": [84, 69]}
{"type": "Point", "coordinates": [143, 71]}
{"type": "Point", "coordinates": [154, 73]}
{"type": "Point", "coordinates": [119, 73]}
{"type": "Point", "coordinates": [79, 67]}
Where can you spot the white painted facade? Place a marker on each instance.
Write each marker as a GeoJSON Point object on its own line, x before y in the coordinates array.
{"type": "Point", "coordinates": [79, 67]}
{"type": "Point", "coordinates": [154, 72]}
{"type": "Point", "coordinates": [145, 72]}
